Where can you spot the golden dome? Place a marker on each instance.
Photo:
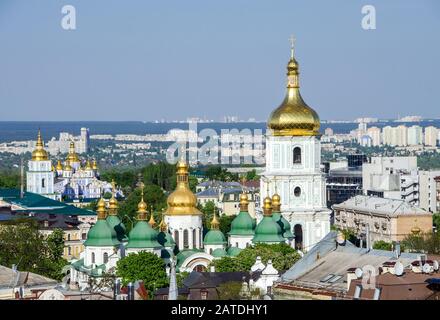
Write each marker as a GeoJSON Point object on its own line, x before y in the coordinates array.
{"type": "Point", "coordinates": [113, 205]}
{"type": "Point", "coordinates": [72, 156]}
{"type": "Point", "coordinates": [88, 166]}
{"type": "Point", "coordinates": [267, 206]}
{"type": "Point", "coordinates": [59, 166]}
{"type": "Point", "coordinates": [293, 117]}
{"type": "Point", "coordinates": [276, 202]}
{"type": "Point", "coordinates": [163, 226]}
{"type": "Point", "coordinates": [244, 201]}
{"type": "Point", "coordinates": [39, 154]}
{"type": "Point", "coordinates": [142, 208]}
{"type": "Point", "coordinates": [67, 166]}
{"type": "Point", "coordinates": [100, 209]}
{"type": "Point", "coordinates": [94, 165]}
{"type": "Point", "coordinates": [182, 201]}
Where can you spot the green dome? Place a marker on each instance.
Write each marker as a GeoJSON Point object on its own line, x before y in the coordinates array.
{"type": "Point", "coordinates": [101, 234]}
{"type": "Point", "coordinates": [115, 223]}
{"type": "Point", "coordinates": [234, 251]}
{"type": "Point", "coordinates": [214, 237]}
{"type": "Point", "coordinates": [243, 224]}
{"type": "Point", "coordinates": [143, 236]}
{"type": "Point", "coordinates": [166, 240]}
{"type": "Point", "coordinates": [219, 252]}
{"type": "Point", "coordinates": [284, 224]}
{"type": "Point", "coordinates": [268, 231]}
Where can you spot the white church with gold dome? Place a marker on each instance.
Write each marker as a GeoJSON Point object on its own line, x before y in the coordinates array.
{"type": "Point", "coordinates": [293, 159]}
{"type": "Point", "coordinates": [75, 180]}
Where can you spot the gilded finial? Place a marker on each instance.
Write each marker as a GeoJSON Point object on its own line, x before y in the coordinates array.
{"type": "Point", "coordinates": [142, 207]}
{"type": "Point", "coordinates": [292, 45]}
{"type": "Point", "coordinates": [152, 223]}
{"type": "Point", "coordinates": [215, 224]}
{"type": "Point", "coordinates": [276, 199]}
{"type": "Point", "coordinates": [113, 203]}
{"type": "Point", "coordinates": [162, 225]}
{"type": "Point", "coordinates": [100, 209]}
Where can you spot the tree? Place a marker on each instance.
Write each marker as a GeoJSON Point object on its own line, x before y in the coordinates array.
{"type": "Point", "coordinates": [282, 255]}
{"type": "Point", "coordinates": [251, 175]}
{"type": "Point", "coordinates": [383, 245]}
{"type": "Point", "coordinates": [9, 180]}
{"type": "Point", "coordinates": [145, 266]}
{"type": "Point", "coordinates": [229, 290]}
{"type": "Point", "coordinates": [425, 242]}
{"type": "Point", "coordinates": [22, 244]}
{"type": "Point", "coordinates": [107, 195]}
{"type": "Point", "coordinates": [153, 196]}
{"type": "Point", "coordinates": [436, 220]}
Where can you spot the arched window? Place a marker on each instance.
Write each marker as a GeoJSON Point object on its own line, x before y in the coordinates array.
{"type": "Point", "coordinates": [296, 155]}
{"type": "Point", "coordinates": [176, 237]}
{"type": "Point", "coordinates": [105, 257]}
{"type": "Point", "coordinates": [210, 251]}
{"type": "Point", "coordinates": [185, 239]}
{"type": "Point", "coordinates": [194, 238]}
{"type": "Point", "coordinates": [297, 191]}
{"type": "Point", "coordinates": [93, 257]}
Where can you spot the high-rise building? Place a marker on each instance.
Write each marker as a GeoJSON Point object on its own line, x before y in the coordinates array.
{"type": "Point", "coordinates": [374, 133]}
{"type": "Point", "coordinates": [293, 158]}
{"type": "Point", "coordinates": [415, 135]}
{"type": "Point", "coordinates": [431, 136]}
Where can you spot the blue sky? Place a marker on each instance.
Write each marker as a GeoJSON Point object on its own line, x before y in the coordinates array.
{"type": "Point", "coordinates": [146, 60]}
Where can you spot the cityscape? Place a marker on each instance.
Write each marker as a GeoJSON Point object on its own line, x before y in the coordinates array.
{"type": "Point", "coordinates": [230, 205]}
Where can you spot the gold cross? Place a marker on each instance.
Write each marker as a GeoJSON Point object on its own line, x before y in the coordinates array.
{"type": "Point", "coordinates": [292, 44]}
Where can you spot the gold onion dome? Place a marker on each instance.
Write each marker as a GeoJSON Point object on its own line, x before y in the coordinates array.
{"type": "Point", "coordinates": [113, 203]}
{"type": "Point", "coordinates": [244, 201]}
{"type": "Point", "coordinates": [100, 209]}
{"type": "Point", "coordinates": [267, 206]}
{"type": "Point", "coordinates": [88, 165]}
{"type": "Point", "coordinates": [142, 208]}
{"type": "Point", "coordinates": [59, 166]}
{"type": "Point", "coordinates": [182, 201]}
{"type": "Point", "coordinates": [94, 165]}
{"type": "Point", "coordinates": [293, 117]}
{"type": "Point", "coordinates": [152, 222]}
{"type": "Point", "coordinates": [39, 154]}
{"type": "Point", "coordinates": [67, 167]}
{"type": "Point", "coordinates": [276, 202]}
{"type": "Point", "coordinates": [162, 225]}
{"type": "Point", "coordinates": [72, 156]}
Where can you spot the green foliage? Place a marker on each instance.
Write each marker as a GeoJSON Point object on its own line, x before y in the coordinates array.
{"type": "Point", "coordinates": [9, 180]}
{"type": "Point", "coordinates": [218, 173]}
{"type": "Point", "coordinates": [180, 277]}
{"type": "Point", "coordinates": [436, 220]}
{"type": "Point", "coordinates": [145, 266]}
{"type": "Point", "coordinates": [208, 212]}
{"type": "Point", "coordinates": [107, 195]}
{"type": "Point", "coordinates": [153, 196]}
{"type": "Point", "coordinates": [252, 175]}
{"type": "Point", "coordinates": [425, 242]}
{"type": "Point", "coordinates": [22, 244]}
{"type": "Point", "coordinates": [229, 290]}
{"type": "Point", "coordinates": [126, 178]}
{"type": "Point", "coordinates": [162, 174]}
{"type": "Point", "coordinates": [428, 161]}
{"type": "Point", "coordinates": [283, 257]}
{"type": "Point", "coordinates": [383, 245]}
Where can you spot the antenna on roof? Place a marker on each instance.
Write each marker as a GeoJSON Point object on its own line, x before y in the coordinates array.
{"type": "Point", "coordinates": [398, 268]}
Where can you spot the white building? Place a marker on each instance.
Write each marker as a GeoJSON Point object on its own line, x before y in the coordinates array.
{"type": "Point", "coordinates": [62, 145]}
{"type": "Point", "coordinates": [428, 190]}
{"type": "Point", "coordinates": [374, 133]}
{"type": "Point", "coordinates": [431, 136]}
{"type": "Point", "coordinates": [40, 177]}
{"type": "Point", "coordinates": [415, 136]}
{"type": "Point", "coordinates": [293, 158]}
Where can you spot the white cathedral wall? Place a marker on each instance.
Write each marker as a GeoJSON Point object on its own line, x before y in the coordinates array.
{"type": "Point", "coordinates": [99, 255]}
{"type": "Point", "coordinates": [209, 248]}
{"type": "Point", "coordinates": [137, 250]}
{"type": "Point", "coordinates": [241, 242]}
{"type": "Point", "coordinates": [180, 223]}
{"type": "Point", "coordinates": [39, 170]}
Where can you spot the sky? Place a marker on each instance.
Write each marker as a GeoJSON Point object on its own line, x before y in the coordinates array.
{"type": "Point", "coordinates": [173, 59]}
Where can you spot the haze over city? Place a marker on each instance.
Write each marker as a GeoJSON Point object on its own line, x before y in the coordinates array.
{"type": "Point", "coordinates": [147, 60]}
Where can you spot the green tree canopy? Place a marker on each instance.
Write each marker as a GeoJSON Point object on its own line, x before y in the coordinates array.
{"type": "Point", "coordinates": [145, 266]}
{"type": "Point", "coordinates": [282, 255]}
{"type": "Point", "coordinates": [383, 245]}
{"type": "Point", "coordinates": [229, 290]}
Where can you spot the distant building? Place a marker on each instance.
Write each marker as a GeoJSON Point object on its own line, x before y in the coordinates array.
{"type": "Point", "coordinates": [62, 145]}
{"type": "Point", "coordinates": [431, 136]}
{"type": "Point", "coordinates": [375, 134]}
{"type": "Point", "coordinates": [429, 190]}
{"type": "Point", "coordinates": [415, 135]}
{"type": "Point", "coordinates": [374, 218]}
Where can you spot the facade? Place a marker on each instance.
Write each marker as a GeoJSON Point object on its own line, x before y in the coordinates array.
{"type": "Point", "coordinates": [293, 158]}
{"type": "Point", "coordinates": [375, 219]}
{"type": "Point", "coordinates": [62, 145]}
{"type": "Point", "coordinates": [415, 136]}
{"type": "Point", "coordinates": [431, 136]}
{"type": "Point", "coordinates": [74, 181]}
{"type": "Point", "coordinates": [429, 188]}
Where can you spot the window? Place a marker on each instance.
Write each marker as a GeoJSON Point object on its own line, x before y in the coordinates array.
{"type": "Point", "coordinates": [204, 295]}
{"type": "Point", "coordinates": [43, 183]}
{"type": "Point", "coordinates": [327, 278]}
{"type": "Point", "coordinates": [297, 191]}
{"type": "Point", "coordinates": [93, 257]}
{"type": "Point", "coordinates": [69, 251]}
{"type": "Point", "coordinates": [176, 237]}
{"type": "Point", "coordinates": [84, 236]}
{"type": "Point", "coordinates": [185, 239]}
{"type": "Point", "coordinates": [194, 238]}
{"type": "Point", "coordinates": [68, 237]}
{"type": "Point", "coordinates": [165, 297]}
{"type": "Point", "coordinates": [105, 257]}
{"type": "Point", "coordinates": [357, 292]}
{"type": "Point", "coordinates": [296, 155]}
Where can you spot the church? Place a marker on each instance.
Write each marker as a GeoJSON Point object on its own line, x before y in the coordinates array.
{"type": "Point", "coordinates": [73, 181]}
{"type": "Point", "coordinates": [293, 209]}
